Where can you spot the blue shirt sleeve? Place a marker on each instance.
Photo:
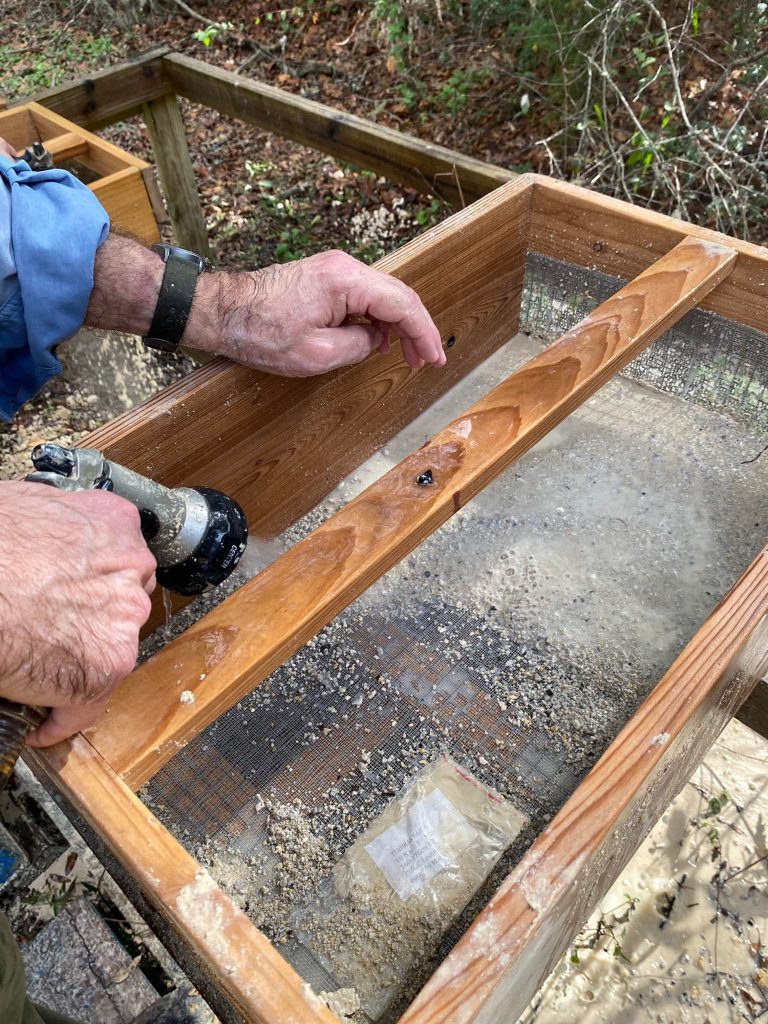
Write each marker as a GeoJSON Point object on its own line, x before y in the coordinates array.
{"type": "Point", "coordinates": [50, 228]}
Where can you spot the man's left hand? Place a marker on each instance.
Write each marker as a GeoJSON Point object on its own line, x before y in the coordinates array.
{"type": "Point", "coordinates": [308, 317]}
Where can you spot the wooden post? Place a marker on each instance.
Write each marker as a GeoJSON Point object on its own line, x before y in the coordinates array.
{"type": "Point", "coordinates": [455, 177]}
{"type": "Point", "coordinates": [169, 144]}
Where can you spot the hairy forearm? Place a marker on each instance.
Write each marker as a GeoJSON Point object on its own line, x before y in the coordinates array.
{"type": "Point", "coordinates": [126, 284]}
{"type": "Point", "coordinates": [295, 319]}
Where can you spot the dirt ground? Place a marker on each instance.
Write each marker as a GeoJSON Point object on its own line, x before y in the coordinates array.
{"type": "Point", "coordinates": [681, 936]}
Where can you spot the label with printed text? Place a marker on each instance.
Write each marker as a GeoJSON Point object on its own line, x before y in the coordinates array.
{"type": "Point", "coordinates": [422, 844]}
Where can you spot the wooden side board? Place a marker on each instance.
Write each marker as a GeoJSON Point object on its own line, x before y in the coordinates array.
{"type": "Point", "coordinates": [594, 231]}
{"type": "Point", "coordinates": [280, 445]}
{"type": "Point", "coordinates": [120, 187]}
{"type": "Point", "coordinates": [102, 156]}
{"type": "Point", "coordinates": [124, 196]}
{"type": "Point", "coordinates": [255, 978]}
{"type": "Point", "coordinates": [66, 146]}
{"type": "Point", "coordinates": [457, 178]}
{"type": "Point", "coordinates": [105, 97]}
{"type": "Point", "coordinates": [497, 967]}
{"type": "Point", "coordinates": [238, 644]}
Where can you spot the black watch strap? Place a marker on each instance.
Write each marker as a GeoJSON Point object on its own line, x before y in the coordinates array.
{"type": "Point", "coordinates": [174, 302]}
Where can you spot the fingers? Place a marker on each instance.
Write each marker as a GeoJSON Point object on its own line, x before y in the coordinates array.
{"type": "Point", "coordinates": [332, 347]}
{"type": "Point", "coordinates": [399, 308]}
{"type": "Point", "coordinates": [411, 354]}
{"type": "Point", "coordinates": [64, 722]}
{"type": "Point", "coordinates": [7, 150]}
{"type": "Point", "coordinates": [119, 526]}
{"type": "Point", "coordinates": [384, 300]}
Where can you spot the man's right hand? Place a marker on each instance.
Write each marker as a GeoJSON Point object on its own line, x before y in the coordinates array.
{"type": "Point", "coordinates": [76, 579]}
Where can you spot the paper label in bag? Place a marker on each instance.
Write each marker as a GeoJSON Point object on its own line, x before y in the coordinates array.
{"type": "Point", "coordinates": [423, 843]}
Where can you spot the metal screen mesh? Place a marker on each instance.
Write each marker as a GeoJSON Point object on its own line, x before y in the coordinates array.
{"type": "Point", "coordinates": [704, 358]}
{"type": "Point", "coordinates": [518, 639]}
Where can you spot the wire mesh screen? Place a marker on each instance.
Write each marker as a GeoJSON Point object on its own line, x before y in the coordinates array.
{"type": "Point", "coordinates": [704, 358]}
{"type": "Point", "coordinates": [517, 640]}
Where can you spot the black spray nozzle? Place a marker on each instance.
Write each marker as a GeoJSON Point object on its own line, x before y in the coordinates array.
{"type": "Point", "coordinates": [197, 535]}
{"type": "Point", "coordinates": [52, 458]}
{"type": "Point", "coordinates": [220, 549]}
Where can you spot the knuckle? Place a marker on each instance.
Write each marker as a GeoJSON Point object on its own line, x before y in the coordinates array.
{"type": "Point", "coordinates": [337, 259]}
{"type": "Point", "coordinates": [145, 606]}
{"type": "Point", "coordinates": [148, 561]}
{"type": "Point", "coordinates": [111, 507]}
{"type": "Point", "coordinates": [138, 605]}
{"type": "Point", "coordinates": [122, 659]}
{"type": "Point", "coordinates": [412, 297]}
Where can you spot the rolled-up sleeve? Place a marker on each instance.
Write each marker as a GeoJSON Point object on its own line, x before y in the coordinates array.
{"type": "Point", "coordinates": [50, 228]}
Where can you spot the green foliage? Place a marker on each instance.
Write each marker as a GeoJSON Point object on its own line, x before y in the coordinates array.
{"type": "Point", "coordinates": [56, 895]}
{"type": "Point", "coordinates": [612, 88]}
{"type": "Point", "coordinates": [394, 17]}
{"type": "Point", "coordinates": [207, 35]}
{"type": "Point", "coordinates": [455, 92]}
{"type": "Point", "coordinates": [425, 217]}
{"type": "Point", "coordinates": [29, 72]}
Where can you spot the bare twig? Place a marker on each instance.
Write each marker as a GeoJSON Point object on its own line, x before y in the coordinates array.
{"type": "Point", "coordinates": [192, 13]}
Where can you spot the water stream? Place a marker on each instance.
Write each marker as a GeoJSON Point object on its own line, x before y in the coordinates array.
{"type": "Point", "coordinates": [258, 554]}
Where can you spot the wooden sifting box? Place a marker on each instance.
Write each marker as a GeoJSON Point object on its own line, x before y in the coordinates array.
{"type": "Point", "coordinates": [280, 446]}
{"type": "Point", "coordinates": [124, 185]}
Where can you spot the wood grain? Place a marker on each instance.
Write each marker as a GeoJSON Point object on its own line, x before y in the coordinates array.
{"type": "Point", "coordinates": [111, 95]}
{"type": "Point", "coordinates": [594, 231]}
{"type": "Point", "coordinates": [457, 178]}
{"type": "Point", "coordinates": [280, 445]}
{"type": "Point", "coordinates": [497, 967]}
{"type": "Point", "coordinates": [17, 127]}
{"type": "Point", "coordinates": [238, 644]}
{"type": "Point", "coordinates": [169, 145]}
{"type": "Point", "coordinates": [256, 979]}
{"type": "Point", "coordinates": [754, 711]}
{"type": "Point", "coordinates": [120, 189]}
{"type": "Point", "coordinates": [125, 199]}
{"type": "Point", "coordinates": [103, 156]}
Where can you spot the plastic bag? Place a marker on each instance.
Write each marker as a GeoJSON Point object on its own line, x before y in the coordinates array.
{"type": "Point", "coordinates": [398, 888]}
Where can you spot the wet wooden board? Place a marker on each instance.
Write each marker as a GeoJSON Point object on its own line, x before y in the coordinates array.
{"type": "Point", "coordinates": [234, 647]}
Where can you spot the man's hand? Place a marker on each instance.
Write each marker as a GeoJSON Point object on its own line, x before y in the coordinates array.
{"type": "Point", "coordinates": [295, 319]}
{"type": "Point", "coordinates": [308, 317]}
{"type": "Point", "coordinates": [75, 591]}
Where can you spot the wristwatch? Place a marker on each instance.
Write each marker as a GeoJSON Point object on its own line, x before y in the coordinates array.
{"type": "Point", "coordinates": [182, 269]}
